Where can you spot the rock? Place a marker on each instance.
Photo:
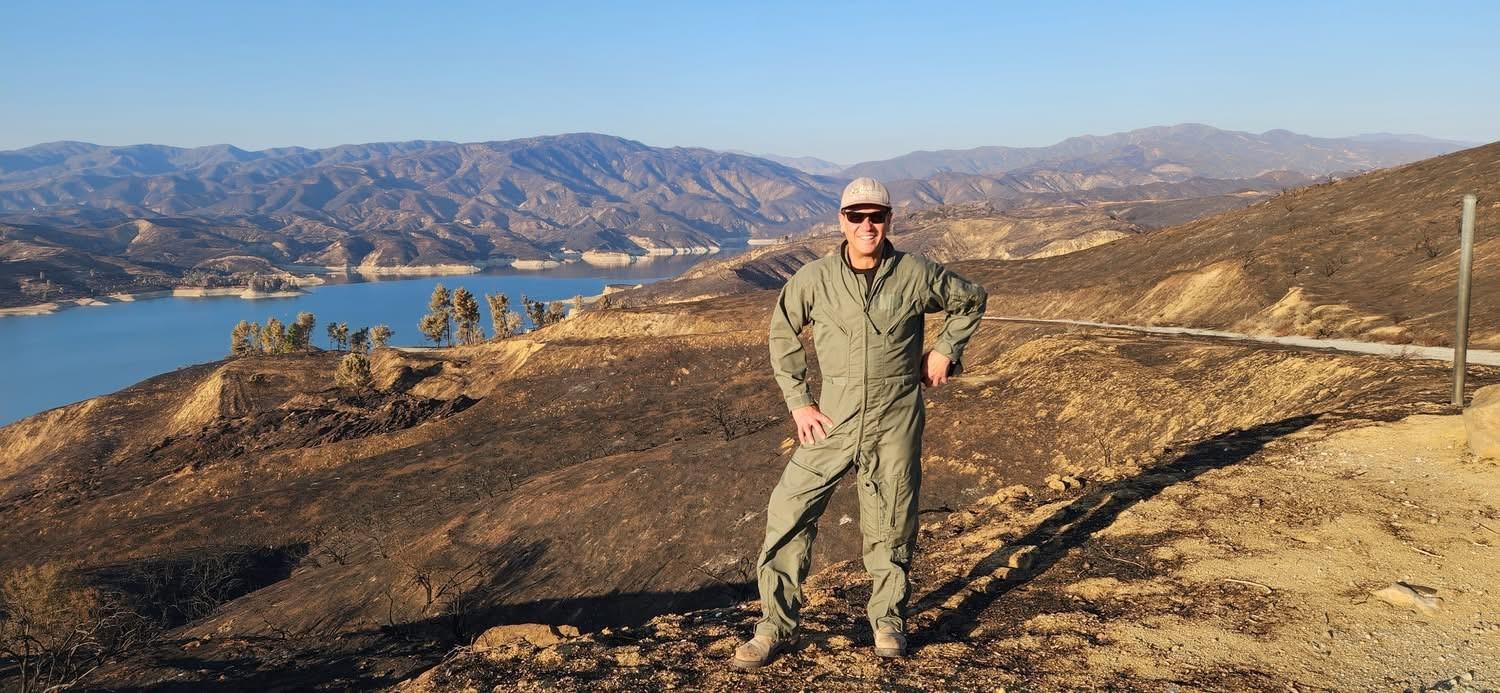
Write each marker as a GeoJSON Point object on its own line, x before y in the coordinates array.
{"type": "Point", "coordinates": [980, 585]}
{"type": "Point", "coordinates": [1072, 482]}
{"type": "Point", "coordinates": [1055, 483]}
{"type": "Point", "coordinates": [1021, 557]}
{"type": "Point", "coordinates": [1415, 597]}
{"type": "Point", "coordinates": [534, 634]}
{"type": "Point", "coordinates": [1014, 491]}
{"type": "Point", "coordinates": [1482, 422]}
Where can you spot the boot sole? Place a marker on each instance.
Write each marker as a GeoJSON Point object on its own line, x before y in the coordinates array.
{"type": "Point", "coordinates": [889, 652]}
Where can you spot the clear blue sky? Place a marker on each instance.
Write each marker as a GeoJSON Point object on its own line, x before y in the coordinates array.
{"type": "Point", "coordinates": [845, 82]}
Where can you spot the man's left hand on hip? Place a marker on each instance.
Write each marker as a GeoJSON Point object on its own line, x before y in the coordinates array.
{"type": "Point", "coordinates": [935, 369]}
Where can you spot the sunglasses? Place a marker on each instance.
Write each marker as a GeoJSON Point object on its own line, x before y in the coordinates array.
{"type": "Point", "coordinates": [879, 217]}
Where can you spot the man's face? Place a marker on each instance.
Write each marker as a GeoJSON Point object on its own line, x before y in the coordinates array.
{"type": "Point", "coordinates": [866, 235]}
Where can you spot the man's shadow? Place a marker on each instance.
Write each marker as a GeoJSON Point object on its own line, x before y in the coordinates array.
{"type": "Point", "coordinates": [1075, 524]}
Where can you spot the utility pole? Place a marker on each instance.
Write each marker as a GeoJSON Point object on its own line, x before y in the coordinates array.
{"type": "Point", "coordinates": [1461, 334]}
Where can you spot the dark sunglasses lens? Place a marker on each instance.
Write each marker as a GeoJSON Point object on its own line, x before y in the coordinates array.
{"type": "Point", "coordinates": [860, 217]}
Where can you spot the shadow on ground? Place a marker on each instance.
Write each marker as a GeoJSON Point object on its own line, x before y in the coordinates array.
{"type": "Point", "coordinates": [1075, 524]}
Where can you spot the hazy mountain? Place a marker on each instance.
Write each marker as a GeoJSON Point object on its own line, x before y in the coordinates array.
{"type": "Point", "coordinates": [1174, 152]}
{"type": "Point", "coordinates": [1041, 188]}
{"type": "Point", "coordinates": [55, 159]}
{"type": "Point", "coordinates": [568, 192]}
{"type": "Point", "coordinates": [1410, 138]}
{"type": "Point", "coordinates": [806, 164]}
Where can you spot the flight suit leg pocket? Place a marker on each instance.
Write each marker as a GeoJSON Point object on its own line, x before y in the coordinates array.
{"type": "Point", "coordinates": [876, 510]}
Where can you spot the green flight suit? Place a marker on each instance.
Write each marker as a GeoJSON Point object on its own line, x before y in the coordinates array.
{"type": "Point", "coordinates": [870, 354]}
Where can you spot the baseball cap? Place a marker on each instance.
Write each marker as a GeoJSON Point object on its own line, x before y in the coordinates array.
{"type": "Point", "coordinates": [865, 191]}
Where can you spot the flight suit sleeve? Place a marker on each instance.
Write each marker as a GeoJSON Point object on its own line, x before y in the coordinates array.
{"type": "Point", "coordinates": [792, 312]}
{"type": "Point", "coordinates": [964, 303]}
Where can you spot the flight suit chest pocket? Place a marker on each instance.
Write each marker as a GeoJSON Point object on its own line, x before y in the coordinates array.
{"type": "Point", "coordinates": [892, 311]}
{"type": "Point", "coordinates": [828, 320]}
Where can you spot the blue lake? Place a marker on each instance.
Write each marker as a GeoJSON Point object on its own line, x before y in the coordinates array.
{"type": "Point", "coordinates": [78, 353]}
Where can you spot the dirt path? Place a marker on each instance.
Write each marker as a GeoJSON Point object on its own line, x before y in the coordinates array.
{"type": "Point", "coordinates": [1475, 356]}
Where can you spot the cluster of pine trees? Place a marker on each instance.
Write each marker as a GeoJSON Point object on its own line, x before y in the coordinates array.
{"type": "Point", "coordinates": [275, 337]}
{"type": "Point", "coordinates": [451, 318]}
{"type": "Point", "coordinates": [454, 317]}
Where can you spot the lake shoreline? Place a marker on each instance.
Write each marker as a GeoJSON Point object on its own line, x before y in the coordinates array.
{"type": "Point", "coordinates": [314, 274]}
{"type": "Point", "coordinates": [242, 292]}
{"type": "Point", "coordinates": [73, 355]}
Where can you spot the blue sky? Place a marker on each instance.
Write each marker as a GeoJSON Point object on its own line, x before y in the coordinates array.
{"type": "Point", "coordinates": [841, 81]}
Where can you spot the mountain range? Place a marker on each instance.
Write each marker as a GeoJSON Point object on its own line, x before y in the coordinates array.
{"type": "Point", "coordinates": [79, 219]}
{"type": "Point", "coordinates": [1185, 150]}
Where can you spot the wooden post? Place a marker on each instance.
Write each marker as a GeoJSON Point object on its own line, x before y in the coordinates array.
{"type": "Point", "coordinates": [1461, 333]}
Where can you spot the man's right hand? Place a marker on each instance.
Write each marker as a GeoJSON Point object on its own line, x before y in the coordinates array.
{"type": "Point", "coordinates": [812, 425]}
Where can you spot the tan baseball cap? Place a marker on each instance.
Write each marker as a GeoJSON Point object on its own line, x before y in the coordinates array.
{"type": "Point", "coordinates": [865, 191]}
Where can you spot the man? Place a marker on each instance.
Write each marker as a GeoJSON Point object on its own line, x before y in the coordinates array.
{"type": "Point", "coordinates": [866, 305]}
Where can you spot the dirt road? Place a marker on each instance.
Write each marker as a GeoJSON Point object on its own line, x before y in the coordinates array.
{"type": "Point", "coordinates": [1475, 356]}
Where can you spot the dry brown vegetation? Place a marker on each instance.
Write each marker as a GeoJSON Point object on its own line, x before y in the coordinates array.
{"type": "Point", "coordinates": [55, 632]}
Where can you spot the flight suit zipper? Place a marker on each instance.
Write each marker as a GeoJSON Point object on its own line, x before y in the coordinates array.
{"type": "Point", "coordinates": [884, 271]}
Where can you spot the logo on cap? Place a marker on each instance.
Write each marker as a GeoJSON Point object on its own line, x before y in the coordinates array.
{"type": "Point", "coordinates": [865, 191]}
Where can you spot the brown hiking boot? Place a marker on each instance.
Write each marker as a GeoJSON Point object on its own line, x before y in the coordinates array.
{"type": "Point", "coordinates": [760, 650]}
{"type": "Point", "coordinates": [890, 642]}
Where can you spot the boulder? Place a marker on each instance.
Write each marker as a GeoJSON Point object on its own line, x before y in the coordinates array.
{"type": "Point", "coordinates": [1482, 422]}
{"type": "Point", "coordinates": [1423, 600]}
{"type": "Point", "coordinates": [534, 634]}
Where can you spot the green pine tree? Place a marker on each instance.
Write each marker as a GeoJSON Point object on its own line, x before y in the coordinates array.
{"type": "Point", "coordinates": [437, 324]}
{"type": "Point", "coordinates": [359, 341]}
{"type": "Point", "coordinates": [354, 372]}
{"type": "Point", "coordinates": [239, 339]}
{"type": "Point", "coordinates": [466, 315]}
{"type": "Point", "coordinates": [273, 337]}
{"type": "Point", "coordinates": [300, 332]}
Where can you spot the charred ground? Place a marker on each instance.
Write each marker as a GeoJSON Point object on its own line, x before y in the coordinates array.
{"type": "Point", "coordinates": [598, 473]}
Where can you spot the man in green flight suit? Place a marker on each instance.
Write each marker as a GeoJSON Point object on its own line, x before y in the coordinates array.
{"type": "Point", "coordinates": [866, 305]}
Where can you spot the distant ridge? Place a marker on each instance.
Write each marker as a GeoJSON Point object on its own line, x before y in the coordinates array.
{"type": "Point", "coordinates": [806, 164]}
{"type": "Point", "coordinates": [580, 191]}
{"type": "Point", "coordinates": [1191, 149]}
